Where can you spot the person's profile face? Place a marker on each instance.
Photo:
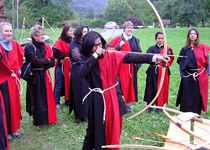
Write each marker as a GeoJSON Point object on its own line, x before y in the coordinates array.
{"type": "Point", "coordinates": [97, 44]}
{"type": "Point", "coordinates": [84, 31]}
{"type": "Point", "coordinates": [70, 32]}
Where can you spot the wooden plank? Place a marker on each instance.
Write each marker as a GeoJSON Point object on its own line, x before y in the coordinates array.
{"type": "Point", "coordinates": [203, 130]}
{"type": "Point", "coordinates": [177, 134]}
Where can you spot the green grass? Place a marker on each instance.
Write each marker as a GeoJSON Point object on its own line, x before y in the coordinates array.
{"type": "Point", "coordinates": [66, 134]}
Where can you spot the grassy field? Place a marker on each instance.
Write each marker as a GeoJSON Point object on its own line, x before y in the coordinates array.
{"type": "Point", "coordinates": [67, 135]}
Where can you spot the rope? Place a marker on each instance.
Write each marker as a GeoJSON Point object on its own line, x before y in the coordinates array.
{"type": "Point", "coordinates": [62, 66]}
{"type": "Point", "coordinates": [49, 76]}
{"type": "Point", "coordinates": [20, 87]}
{"type": "Point", "coordinates": [195, 74]}
{"type": "Point", "coordinates": [102, 93]}
{"type": "Point", "coordinates": [130, 70]}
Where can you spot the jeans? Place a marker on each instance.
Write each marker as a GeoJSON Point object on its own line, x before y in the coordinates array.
{"type": "Point", "coordinates": [59, 80]}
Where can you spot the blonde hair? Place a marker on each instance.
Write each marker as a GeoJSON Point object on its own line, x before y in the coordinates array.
{"type": "Point", "coordinates": [3, 24]}
{"type": "Point", "coordinates": [35, 29]}
{"type": "Point", "coordinates": [127, 23]}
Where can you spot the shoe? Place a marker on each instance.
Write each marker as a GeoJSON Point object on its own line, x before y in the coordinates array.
{"type": "Point", "coordinates": [10, 138]}
{"type": "Point", "coordinates": [58, 106]}
{"type": "Point", "coordinates": [38, 128]}
{"type": "Point", "coordinates": [149, 109]}
{"type": "Point", "coordinates": [15, 135]}
{"type": "Point", "coordinates": [129, 106]}
{"type": "Point", "coordinates": [158, 111]}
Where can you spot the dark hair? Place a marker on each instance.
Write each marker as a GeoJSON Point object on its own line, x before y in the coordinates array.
{"type": "Point", "coordinates": [88, 42]}
{"type": "Point", "coordinates": [78, 32]}
{"type": "Point", "coordinates": [66, 28]}
{"type": "Point", "coordinates": [156, 35]}
{"type": "Point", "coordinates": [188, 41]}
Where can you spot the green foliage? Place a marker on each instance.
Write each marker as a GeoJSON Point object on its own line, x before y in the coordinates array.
{"type": "Point", "coordinates": [33, 11]}
{"type": "Point", "coordinates": [97, 23]}
{"type": "Point", "coordinates": [184, 12]}
{"type": "Point", "coordinates": [90, 13]}
{"type": "Point", "coordinates": [117, 10]}
{"type": "Point", "coordinates": [67, 135]}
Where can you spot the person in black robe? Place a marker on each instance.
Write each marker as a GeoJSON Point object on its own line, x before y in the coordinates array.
{"type": "Point", "coordinates": [134, 45]}
{"type": "Point", "coordinates": [193, 91]}
{"type": "Point", "coordinates": [40, 100]}
{"type": "Point", "coordinates": [78, 86]}
{"type": "Point", "coordinates": [154, 75]}
{"type": "Point", "coordinates": [4, 144]}
{"type": "Point", "coordinates": [101, 69]}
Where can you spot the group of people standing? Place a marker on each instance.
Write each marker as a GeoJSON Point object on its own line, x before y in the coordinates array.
{"type": "Point", "coordinates": [100, 86]}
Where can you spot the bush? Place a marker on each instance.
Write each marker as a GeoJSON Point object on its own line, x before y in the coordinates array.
{"type": "Point", "coordinates": [135, 20]}
{"type": "Point", "coordinates": [95, 23]}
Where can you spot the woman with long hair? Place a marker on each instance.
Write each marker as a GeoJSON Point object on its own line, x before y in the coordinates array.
{"type": "Point", "coordinates": [78, 85]}
{"type": "Point", "coordinates": [193, 90]}
{"type": "Point", "coordinates": [62, 65]}
{"type": "Point", "coordinates": [154, 74]}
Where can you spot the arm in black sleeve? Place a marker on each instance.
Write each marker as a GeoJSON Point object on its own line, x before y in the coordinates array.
{"type": "Point", "coordinates": [57, 54]}
{"type": "Point", "coordinates": [75, 54]}
{"type": "Point", "coordinates": [137, 58]}
{"type": "Point", "coordinates": [50, 64]}
{"type": "Point", "coordinates": [87, 66]}
{"type": "Point", "coordinates": [37, 63]}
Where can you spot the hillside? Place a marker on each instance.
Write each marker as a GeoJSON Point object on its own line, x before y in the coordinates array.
{"type": "Point", "coordinates": [84, 5]}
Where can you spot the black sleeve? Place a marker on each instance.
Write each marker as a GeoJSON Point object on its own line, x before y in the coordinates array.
{"type": "Point", "coordinates": [86, 66]}
{"type": "Point", "coordinates": [137, 58]}
{"type": "Point", "coordinates": [37, 63]}
{"type": "Point", "coordinates": [30, 55]}
{"type": "Point", "coordinates": [57, 54]}
{"type": "Point", "coordinates": [50, 64]}
{"type": "Point", "coordinates": [75, 54]}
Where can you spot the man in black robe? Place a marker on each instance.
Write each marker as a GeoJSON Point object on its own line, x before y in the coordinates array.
{"type": "Point", "coordinates": [101, 69]}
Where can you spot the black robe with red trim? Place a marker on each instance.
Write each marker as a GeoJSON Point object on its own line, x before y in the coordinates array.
{"type": "Point", "coordinates": [102, 73]}
{"type": "Point", "coordinates": [63, 47]}
{"type": "Point", "coordinates": [4, 143]}
{"type": "Point", "coordinates": [193, 92]}
{"type": "Point", "coordinates": [154, 73]}
{"type": "Point", "coordinates": [128, 72]}
{"type": "Point", "coordinates": [40, 100]}
{"type": "Point", "coordinates": [11, 86]}
{"type": "Point", "coordinates": [78, 87]}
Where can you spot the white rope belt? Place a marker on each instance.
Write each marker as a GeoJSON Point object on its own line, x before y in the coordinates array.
{"type": "Point", "coordinates": [49, 76]}
{"type": "Point", "coordinates": [156, 66]}
{"type": "Point", "coordinates": [130, 70]}
{"type": "Point", "coordinates": [195, 74]}
{"type": "Point", "coordinates": [20, 88]}
{"type": "Point", "coordinates": [102, 93]}
{"type": "Point", "coordinates": [62, 67]}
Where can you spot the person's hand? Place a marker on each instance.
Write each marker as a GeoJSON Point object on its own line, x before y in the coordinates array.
{"type": "Point", "coordinates": [121, 43]}
{"type": "Point", "coordinates": [160, 58]}
{"type": "Point", "coordinates": [99, 51]}
{"type": "Point", "coordinates": [61, 61]}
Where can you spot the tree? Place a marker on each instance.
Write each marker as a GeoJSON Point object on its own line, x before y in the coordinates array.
{"type": "Point", "coordinates": [135, 20]}
{"type": "Point", "coordinates": [187, 13]}
{"type": "Point", "coordinates": [90, 13]}
{"type": "Point", "coordinates": [117, 10]}
{"type": "Point", "coordinates": [34, 10]}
